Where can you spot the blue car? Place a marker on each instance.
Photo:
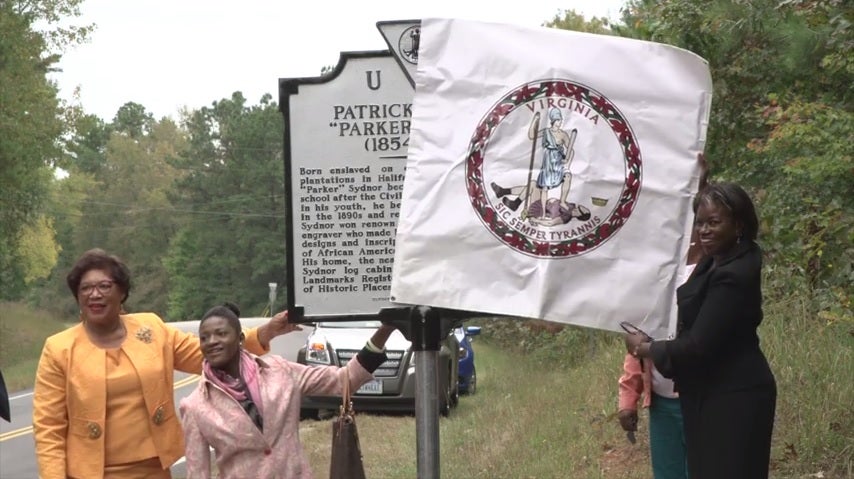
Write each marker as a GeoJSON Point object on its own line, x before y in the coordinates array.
{"type": "Point", "coordinates": [467, 372]}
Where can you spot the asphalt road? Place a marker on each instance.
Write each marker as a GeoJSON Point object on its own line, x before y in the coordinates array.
{"type": "Point", "coordinates": [17, 450]}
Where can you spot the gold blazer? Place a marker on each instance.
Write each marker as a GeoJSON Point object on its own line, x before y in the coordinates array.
{"type": "Point", "coordinates": [69, 399]}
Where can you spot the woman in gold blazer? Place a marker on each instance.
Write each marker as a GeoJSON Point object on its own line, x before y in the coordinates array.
{"type": "Point", "coordinates": [103, 401]}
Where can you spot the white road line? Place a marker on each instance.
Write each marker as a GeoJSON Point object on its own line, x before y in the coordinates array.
{"type": "Point", "coordinates": [19, 396]}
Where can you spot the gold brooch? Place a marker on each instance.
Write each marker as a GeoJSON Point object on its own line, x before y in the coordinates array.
{"type": "Point", "coordinates": [144, 335]}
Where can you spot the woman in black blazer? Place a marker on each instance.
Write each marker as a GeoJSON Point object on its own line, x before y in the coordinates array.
{"type": "Point", "coordinates": [726, 388]}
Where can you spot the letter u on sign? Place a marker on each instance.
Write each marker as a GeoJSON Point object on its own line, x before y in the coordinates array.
{"type": "Point", "coordinates": [370, 75]}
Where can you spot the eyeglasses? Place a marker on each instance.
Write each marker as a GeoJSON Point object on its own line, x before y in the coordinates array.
{"type": "Point", "coordinates": [632, 329]}
{"type": "Point", "coordinates": [103, 287]}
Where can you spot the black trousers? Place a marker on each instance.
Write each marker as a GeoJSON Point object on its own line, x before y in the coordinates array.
{"type": "Point", "coordinates": [728, 435]}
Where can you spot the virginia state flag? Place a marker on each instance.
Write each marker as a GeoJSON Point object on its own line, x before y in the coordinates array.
{"type": "Point", "coordinates": [550, 174]}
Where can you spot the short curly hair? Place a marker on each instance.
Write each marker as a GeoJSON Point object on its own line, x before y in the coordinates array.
{"type": "Point", "coordinates": [99, 259]}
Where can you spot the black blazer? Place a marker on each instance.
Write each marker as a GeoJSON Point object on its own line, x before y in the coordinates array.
{"type": "Point", "coordinates": [719, 308]}
{"type": "Point", "coordinates": [4, 400]}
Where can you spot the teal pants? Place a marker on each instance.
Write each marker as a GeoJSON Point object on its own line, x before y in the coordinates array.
{"type": "Point", "coordinates": [667, 439]}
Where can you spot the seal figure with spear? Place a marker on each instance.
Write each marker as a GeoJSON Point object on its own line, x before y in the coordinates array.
{"type": "Point", "coordinates": [557, 153]}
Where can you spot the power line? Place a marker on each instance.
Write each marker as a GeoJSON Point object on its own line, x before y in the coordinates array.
{"type": "Point", "coordinates": [177, 225]}
{"type": "Point", "coordinates": [132, 209]}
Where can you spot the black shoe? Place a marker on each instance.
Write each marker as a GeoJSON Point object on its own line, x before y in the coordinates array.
{"type": "Point", "coordinates": [512, 204]}
{"type": "Point", "coordinates": [499, 191]}
{"type": "Point", "coordinates": [584, 213]}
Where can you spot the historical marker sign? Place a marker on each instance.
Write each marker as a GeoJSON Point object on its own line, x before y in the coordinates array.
{"type": "Point", "coordinates": [346, 139]}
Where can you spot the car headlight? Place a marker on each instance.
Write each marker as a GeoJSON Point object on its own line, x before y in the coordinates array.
{"type": "Point", "coordinates": [317, 352]}
{"type": "Point", "coordinates": [463, 353]}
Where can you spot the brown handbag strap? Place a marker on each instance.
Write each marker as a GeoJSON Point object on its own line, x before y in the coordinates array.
{"type": "Point", "coordinates": [346, 404]}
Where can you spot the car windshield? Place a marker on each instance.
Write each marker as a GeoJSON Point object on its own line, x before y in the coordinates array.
{"type": "Point", "coordinates": [350, 324]}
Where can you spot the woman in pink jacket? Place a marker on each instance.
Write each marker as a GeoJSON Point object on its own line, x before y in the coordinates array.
{"type": "Point", "coordinates": [247, 408]}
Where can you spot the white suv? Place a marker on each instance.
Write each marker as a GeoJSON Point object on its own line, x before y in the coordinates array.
{"type": "Point", "coordinates": [393, 388]}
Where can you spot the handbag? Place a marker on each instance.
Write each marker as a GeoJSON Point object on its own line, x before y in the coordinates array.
{"type": "Point", "coordinates": [346, 454]}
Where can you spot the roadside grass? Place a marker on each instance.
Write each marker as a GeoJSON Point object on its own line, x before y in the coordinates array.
{"type": "Point", "coordinates": [547, 409]}
{"type": "Point", "coordinates": [22, 334]}
{"type": "Point", "coordinates": [813, 361]}
{"type": "Point", "coordinates": [527, 420]}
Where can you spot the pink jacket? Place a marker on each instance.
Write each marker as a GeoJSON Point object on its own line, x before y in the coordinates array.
{"type": "Point", "coordinates": [213, 419]}
{"type": "Point", "coordinates": [635, 382]}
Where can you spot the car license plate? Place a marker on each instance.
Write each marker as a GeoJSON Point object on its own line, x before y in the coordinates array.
{"type": "Point", "coordinates": [374, 386]}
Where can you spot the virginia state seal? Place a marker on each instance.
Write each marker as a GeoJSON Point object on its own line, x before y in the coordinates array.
{"type": "Point", "coordinates": [553, 169]}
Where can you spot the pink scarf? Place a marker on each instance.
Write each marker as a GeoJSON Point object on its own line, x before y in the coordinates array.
{"type": "Point", "coordinates": [235, 386]}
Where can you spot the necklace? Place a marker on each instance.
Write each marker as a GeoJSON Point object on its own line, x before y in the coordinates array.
{"type": "Point", "coordinates": [109, 338]}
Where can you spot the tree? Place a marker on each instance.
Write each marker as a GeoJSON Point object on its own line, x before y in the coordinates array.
{"type": "Point", "coordinates": [86, 148]}
{"type": "Point", "coordinates": [753, 48]}
{"type": "Point", "coordinates": [570, 20]}
{"type": "Point", "coordinates": [53, 15]}
{"type": "Point", "coordinates": [38, 249]}
{"type": "Point", "coordinates": [234, 189]}
{"type": "Point", "coordinates": [29, 128]}
{"type": "Point", "coordinates": [65, 206]}
{"type": "Point", "coordinates": [132, 120]}
{"type": "Point", "coordinates": [127, 211]}
{"type": "Point", "coordinates": [781, 123]}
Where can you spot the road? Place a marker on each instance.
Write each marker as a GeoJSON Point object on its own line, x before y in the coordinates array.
{"type": "Point", "coordinates": [17, 450]}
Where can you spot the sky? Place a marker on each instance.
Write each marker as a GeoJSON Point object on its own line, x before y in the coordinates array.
{"type": "Point", "coordinates": [172, 54]}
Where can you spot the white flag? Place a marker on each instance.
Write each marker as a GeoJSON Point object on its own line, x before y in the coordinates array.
{"type": "Point", "coordinates": [550, 174]}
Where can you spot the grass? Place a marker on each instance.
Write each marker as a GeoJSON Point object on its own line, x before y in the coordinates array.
{"type": "Point", "coordinates": [549, 412]}
{"type": "Point", "coordinates": [813, 361]}
{"type": "Point", "coordinates": [527, 420]}
{"type": "Point", "coordinates": [22, 334]}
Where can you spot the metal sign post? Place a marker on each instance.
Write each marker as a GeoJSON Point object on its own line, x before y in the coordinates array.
{"type": "Point", "coordinates": [272, 297]}
{"type": "Point", "coordinates": [426, 339]}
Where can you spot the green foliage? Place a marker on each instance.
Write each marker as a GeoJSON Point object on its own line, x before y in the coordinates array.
{"type": "Point", "coordinates": [29, 127]}
{"type": "Point", "coordinates": [132, 120]}
{"type": "Point", "coordinates": [54, 15]}
{"type": "Point", "coordinates": [66, 206]}
{"type": "Point", "coordinates": [545, 341]}
{"type": "Point", "coordinates": [38, 249]}
{"type": "Point", "coordinates": [570, 20]}
{"type": "Point", "coordinates": [195, 211]}
{"type": "Point", "coordinates": [129, 213]}
{"type": "Point", "coordinates": [807, 230]}
{"type": "Point", "coordinates": [116, 198]}
{"type": "Point", "coordinates": [781, 124]}
{"type": "Point", "coordinates": [235, 181]}
{"type": "Point", "coordinates": [753, 48]}
{"type": "Point", "coordinates": [88, 143]}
